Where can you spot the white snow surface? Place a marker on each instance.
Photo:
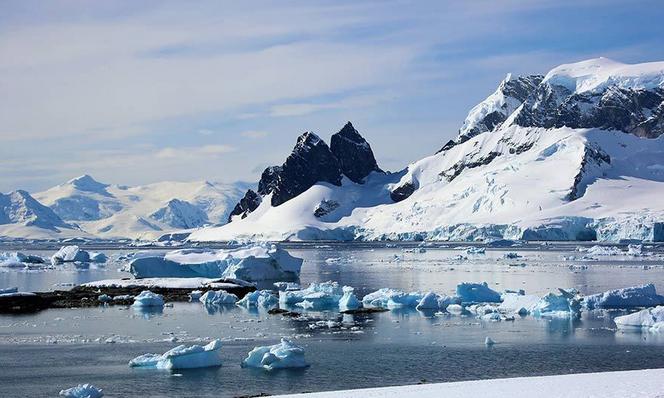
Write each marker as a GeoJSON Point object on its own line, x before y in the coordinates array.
{"type": "Point", "coordinates": [279, 356]}
{"type": "Point", "coordinates": [648, 319]}
{"type": "Point", "coordinates": [256, 262]}
{"type": "Point", "coordinates": [633, 383]}
{"type": "Point", "coordinates": [182, 357]}
{"type": "Point", "coordinates": [168, 283]}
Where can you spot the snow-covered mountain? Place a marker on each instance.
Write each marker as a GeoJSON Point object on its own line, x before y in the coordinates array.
{"type": "Point", "coordinates": [575, 154]}
{"type": "Point", "coordinates": [146, 212]}
{"type": "Point", "coordinates": [21, 216]}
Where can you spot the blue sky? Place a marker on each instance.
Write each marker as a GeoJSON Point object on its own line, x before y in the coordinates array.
{"type": "Point", "coordinates": [142, 91]}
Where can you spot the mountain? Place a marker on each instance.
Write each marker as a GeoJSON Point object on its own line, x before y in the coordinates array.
{"type": "Point", "coordinates": [21, 216]}
{"type": "Point", "coordinates": [116, 211]}
{"type": "Point", "coordinates": [576, 154]}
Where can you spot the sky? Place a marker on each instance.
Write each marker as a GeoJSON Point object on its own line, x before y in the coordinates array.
{"type": "Point", "coordinates": [134, 92]}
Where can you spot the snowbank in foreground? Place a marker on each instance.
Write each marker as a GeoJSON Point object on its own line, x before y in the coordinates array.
{"type": "Point", "coordinates": [182, 357]}
{"type": "Point", "coordinates": [279, 356]}
{"type": "Point", "coordinates": [632, 383]}
{"type": "Point", "coordinates": [251, 263]}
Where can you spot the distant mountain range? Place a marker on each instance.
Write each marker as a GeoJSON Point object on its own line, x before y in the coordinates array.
{"type": "Point", "coordinates": [576, 154]}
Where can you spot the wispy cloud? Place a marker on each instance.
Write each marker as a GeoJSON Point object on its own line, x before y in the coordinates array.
{"type": "Point", "coordinates": [254, 134]}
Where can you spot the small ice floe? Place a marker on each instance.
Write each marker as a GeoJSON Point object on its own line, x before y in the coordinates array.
{"type": "Point", "coordinates": [603, 251]}
{"type": "Point", "coordinates": [284, 286]}
{"type": "Point", "coordinates": [259, 299]}
{"type": "Point", "coordinates": [218, 297]}
{"type": "Point", "coordinates": [98, 257]}
{"type": "Point", "coordinates": [279, 356]}
{"type": "Point", "coordinates": [256, 262]}
{"type": "Point", "coordinates": [489, 342]}
{"type": "Point", "coordinates": [8, 290]}
{"type": "Point", "coordinates": [349, 301]}
{"type": "Point", "coordinates": [475, 250]}
{"type": "Point", "coordinates": [563, 305]}
{"type": "Point", "coordinates": [333, 260]}
{"type": "Point", "coordinates": [477, 293]}
{"type": "Point", "coordinates": [511, 256]}
{"type": "Point", "coordinates": [18, 259]}
{"type": "Point", "coordinates": [104, 298]}
{"type": "Point", "coordinates": [435, 302]}
{"type": "Point", "coordinates": [392, 298]}
{"type": "Point", "coordinates": [317, 296]}
{"type": "Point", "coordinates": [71, 254]}
{"type": "Point", "coordinates": [182, 357]}
{"type": "Point", "coordinates": [82, 391]}
{"type": "Point", "coordinates": [635, 296]}
{"type": "Point", "coordinates": [649, 319]}
{"type": "Point", "coordinates": [149, 299]}
{"type": "Point", "coordinates": [195, 295]}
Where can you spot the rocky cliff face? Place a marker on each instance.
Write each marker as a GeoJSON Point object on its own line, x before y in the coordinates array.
{"type": "Point", "coordinates": [313, 161]}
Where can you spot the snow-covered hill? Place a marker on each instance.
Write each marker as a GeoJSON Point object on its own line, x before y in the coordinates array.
{"type": "Point", "coordinates": [21, 216]}
{"type": "Point", "coordinates": [145, 212]}
{"type": "Point", "coordinates": [576, 154]}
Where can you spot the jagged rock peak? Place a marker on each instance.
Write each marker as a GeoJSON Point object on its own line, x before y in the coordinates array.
{"type": "Point", "coordinates": [310, 162]}
{"type": "Point", "coordinates": [354, 154]}
{"type": "Point", "coordinates": [247, 204]}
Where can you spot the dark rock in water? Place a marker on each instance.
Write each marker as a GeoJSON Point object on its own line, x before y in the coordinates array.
{"type": "Point", "coordinates": [364, 310]}
{"type": "Point", "coordinates": [402, 192]}
{"type": "Point", "coordinates": [354, 154]}
{"type": "Point", "coordinates": [310, 162]}
{"type": "Point", "coordinates": [247, 204]}
{"type": "Point", "coordinates": [325, 207]}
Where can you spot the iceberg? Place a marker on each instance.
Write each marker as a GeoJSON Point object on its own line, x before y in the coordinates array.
{"type": "Point", "coordinates": [148, 299]}
{"type": "Point", "coordinates": [477, 293]}
{"type": "Point", "coordinates": [256, 262]}
{"type": "Point", "coordinates": [635, 296]}
{"type": "Point", "coordinates": [349, 301]}
{"type": "Point", "coordinates": [217, 297]}
{"type": "Point", "coordinates": [433, 301]}
{"type": "Point", "coordinates": [514, 303]}
{"type": "Point", "coordinates": [182, 357]}
{"type": "Point", "coordinates": [69, 254]}
{"type": "Point", "coordinates": [317, 296]}
{"type": "Point", "coordinates": [97, 257]}
{"type": "Point", "coordinates": [18, 259]}
{"type": "Point", "coordinates": [564, 305]}
{"type": "Point", "coordinates": [259, 298]}
{"type": "Point", "coordinates": [649, 318]}
{"type": "Point", "coordinates": [82, 391]}
{"type": "Point", "coordinates": [279, 356]}
{"type": "Point", "coordinates": [392, 298]}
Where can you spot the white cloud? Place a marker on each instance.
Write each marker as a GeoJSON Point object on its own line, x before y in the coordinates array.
{"type": "Point", "coordinates": [254, 134]}
{"type": "Point", "coordinates": [191, 152]}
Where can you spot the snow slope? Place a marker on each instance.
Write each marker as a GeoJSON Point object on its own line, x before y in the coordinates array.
{"type": "Point", "coordinates": [632, 383]}
{"type": "Point", "coordinates": [531, 176]}
{"type": "Point", "coordinates": [145, 212]}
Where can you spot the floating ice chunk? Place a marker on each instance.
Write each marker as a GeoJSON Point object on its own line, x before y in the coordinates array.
{"type": "Point", "coordinates": [68, 254]}
{"type": "Point", "coordinates": [218, 297]}
{"type": "Point", "coordinates": [475, 250]}
{"type": "Point", "coordinates": [283, 355]}
{"type": "Point", "coordinates": [564, 305]}
{"type": "Point", "coordinates": [511, 256]}
{"type": "Point", "coordinates": [392, 298]}
{"type": "Point", "coordinates": [256, 262]}
{"type": "Point", "coordinates": [514, 303]}
{"type": "Point", "coordinates": [635, 296]}
{"type": "Point", "coordinates": [349, 301]}
{"type": "Point", "coordinates": [195, 295]}
{"type": "Point", "coordinates": [489, 342]}
{"type": "Point", "coordinates": [104, 298]}
{"type": "Point", "coordinates": [148, 299]}
{"type": "Point", "coordinates": [18, 259]}
{"type": "Point", "coordinates": [318, 296]}
{"type": "Point", "coordinates": [477, 293]}
{"type": "Point", "coordinates": [433, 301]}
{"type": "Point", "coordinates": [98, 257]}
{"type": "Point", "coordinates": [259, 298]}
{"type": "Point", "coordinates": [182, 357]}
{"type": "Point", "coordinates": [9, 290]}
{"type": "Point", "coordinates": [649, 318]}
{"type": "Point", "coordinates": [604, 251]}
{"type": "Point", "coordinates": [82, 391]}
{"type": "Point", "coordinates": [283, 286]}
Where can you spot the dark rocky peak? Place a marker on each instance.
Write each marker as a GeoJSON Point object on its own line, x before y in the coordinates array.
{"type": "Point", "coordinates": [247, 204]}
{"type": "Point", "coordinates": [310, 162]}
{"type": "Point", "coordinates": [354, 154]}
